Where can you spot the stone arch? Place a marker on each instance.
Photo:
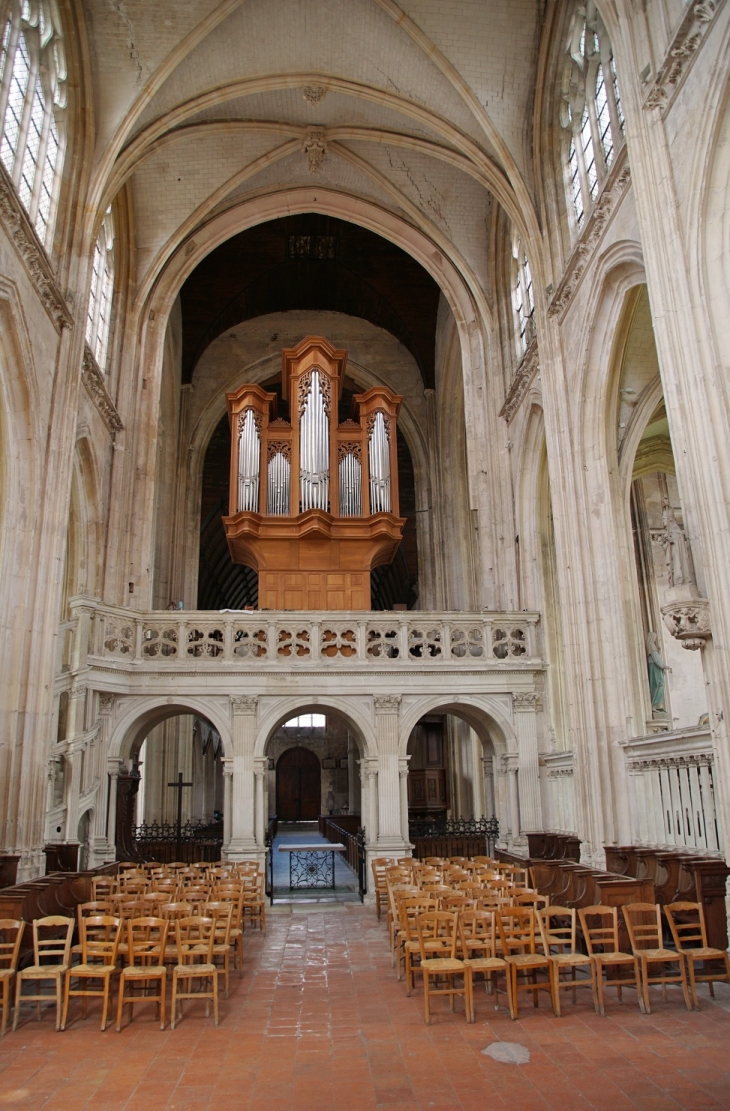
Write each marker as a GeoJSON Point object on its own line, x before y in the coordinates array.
{"type": "Point", "coordinates": [85, 531]}
{"type": "Point", "coordinates": [488, 716]}
{"type": "Point", "coordinates": [357, 713]}
{"type": "Point", "coordinates": [140, 715]}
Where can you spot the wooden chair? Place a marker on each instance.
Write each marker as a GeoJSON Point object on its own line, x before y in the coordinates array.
{"type": "Point", "coordinates": [380, 887]}
{"type": "Point", "coordinates": [100, 937]}
{"type": "Point", "coordinates": [644, 923]}
{"type": "Point", "coordinates": [478, 945]}
{"type": "Point", "coordinates": [530, 899]}
{"type": "Point", "coordinates": [51, 958]}
{"type": "Point", "coordinates": [558, 931]}
{"type": "Point", "coordinates": [394, 892]}
{"type": "Point", "coordinates": [518, 932]}
{"type": "Point", "coordinates": [146, 949]}
{"type": "Point", "coordinates": [438, 935]}
{"type": "Point", "coordinates": [254, 902]}
{"type": "Point", "coordinates": [602, 942]}
{"type": "Point", "coordinates": [195, 938]}
{"type": "Point", "coordinates": [102, 887]}
{"type": "Point", "coordinates": [687, 923]}
{"type": "Point", "coordinates": [11, 934]}
{"type": "Point", "coordinates": [233, 893]}
{"type": "Point", "coordinates": [89, 910]}
{"type": "Point", "coordinates": [222, 914]}
{"type": "Point", "coordinates": [410, 946]}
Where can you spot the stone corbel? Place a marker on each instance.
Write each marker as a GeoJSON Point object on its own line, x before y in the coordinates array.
{"type": "Point", "coordinates": [687, 616]}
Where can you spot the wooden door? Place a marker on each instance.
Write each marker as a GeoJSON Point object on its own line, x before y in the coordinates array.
{"type": "Point", "coordinates": [298, 786]}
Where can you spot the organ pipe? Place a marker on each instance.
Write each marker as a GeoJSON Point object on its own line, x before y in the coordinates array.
{"type": "Point", "coordinates": [379, 463]}
{"type": "Point", "coordinates": [249, 462]}
{"type": "Point", "coordinates": [314, 448]}
{"type": "Point", "coordinates": [350, 475]}
{"type": "Point", "coordinates": [279, 478]}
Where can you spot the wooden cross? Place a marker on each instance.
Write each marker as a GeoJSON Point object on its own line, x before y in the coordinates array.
{"type": "Point", "coordinates": [179, 785]}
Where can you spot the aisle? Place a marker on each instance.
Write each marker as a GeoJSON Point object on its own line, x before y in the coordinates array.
{"type": "Point", "coordinates": [307, 833]}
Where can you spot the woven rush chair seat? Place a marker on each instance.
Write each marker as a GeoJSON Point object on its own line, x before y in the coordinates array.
{"type": "Point", "coordinates": [146, 952]}
{"type": "Point", "coordinates": [442, 928]}
{"type": "Point", "coordinates": [195, 937]}
{"type": "Point", "coordinates": [11, 935]}
{"type": "Point", "coordinates": [687, 923]}
{"type": "Point", "coordinates": [100, 936]}
{"type": "Point", "coordinates": [644, 925]}
{"type": "Point", "coordinates": [52, 937]}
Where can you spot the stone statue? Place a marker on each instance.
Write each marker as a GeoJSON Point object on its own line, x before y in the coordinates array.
{"type": "Point", "coordinates": [656, 667]}
{"type": "Point", "coordinates": [676, 549]}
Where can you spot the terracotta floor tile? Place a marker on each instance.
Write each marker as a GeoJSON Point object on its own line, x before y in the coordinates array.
{"type": "Point", "coordinates": [320, 1023]}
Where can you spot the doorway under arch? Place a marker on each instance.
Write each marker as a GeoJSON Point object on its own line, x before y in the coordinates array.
{"type": "Point", "coordinates": [298, 785]}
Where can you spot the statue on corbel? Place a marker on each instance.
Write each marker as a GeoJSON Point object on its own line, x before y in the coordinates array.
{"type": "Point", "coordinates": [685, 613]}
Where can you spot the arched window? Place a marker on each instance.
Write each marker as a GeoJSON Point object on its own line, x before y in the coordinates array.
{"type": "Point", "coordinates": [522, 297]}
{"type": "Point", "coordinates": [98, 320]}
{"type": "Point", "coordinates": [32, 99]}
{"type": "Point", "coordinates": [591, 111]}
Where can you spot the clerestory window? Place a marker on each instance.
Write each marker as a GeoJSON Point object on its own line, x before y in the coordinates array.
{"type": "Point", "coordinates": [591, 111]}
{"type": "Point", "coordinates": [32, 102]}
{"type": "Point", "coordinates": [523, 301]}
{"type": "Point", "coordinates": [98, 320]}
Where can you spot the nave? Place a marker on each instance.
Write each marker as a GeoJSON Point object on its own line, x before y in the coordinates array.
{"type": "Point", "coordinates": [319, 1020]}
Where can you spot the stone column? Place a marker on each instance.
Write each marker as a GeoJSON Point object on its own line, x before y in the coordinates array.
{"type": "Point", "coordinates": [260, 770]}
{"type": "Point", "coordinates": [227, 800]}
{"type": "Point", "coordinates": [487, 763]}
{"type": "Point", "coordinates": [525, 708]}
{"type": "Point", "coordinates": [390, 832]}
{"type": "Point", "coordinates": [369, 798]}
{"type": "Point", "coordinates": [113, 765]}
{"type": "Point", "coordinates": [352, 753]}
{"type": "Point", "coordinates": [510, 771]}
{"type": "Point", "coordinates": [243, 733]}
{"type": "Point", "coordinates": [403, 773]}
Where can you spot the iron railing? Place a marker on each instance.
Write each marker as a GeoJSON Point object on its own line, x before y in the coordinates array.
{"type": "Point", "coordinates": [453, 836]}
{"type": "Point", "coordinates": [192, 842]}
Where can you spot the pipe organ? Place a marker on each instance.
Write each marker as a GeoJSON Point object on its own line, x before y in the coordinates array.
{"type": "Point", "coordinates": [314, 502]}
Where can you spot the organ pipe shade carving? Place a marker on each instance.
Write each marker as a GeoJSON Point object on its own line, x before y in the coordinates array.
{"type": "Point", "coordinates": [249, 461]}
{"type": "Point", "coordinates": [314, 449]}
{"type": "Point", "coordinates": [350, 486]}
{"type": "Point", "coordinates": [379, 461]}
{"type": "Point", "coordinates": [278, 483]}
{"type": "Point", "coordinates": [314, 499]}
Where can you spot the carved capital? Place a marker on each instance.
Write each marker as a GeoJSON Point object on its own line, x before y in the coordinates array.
{"type": "Point", "coordinates": [523, 379]}
{"type": "Point", "coordinates": [244, 704]}
{"type": "Point", "coordinates": [386, 703]}
{"type": "Point", "coordinates": [95, 386]}
{"type": "Point", "coordinates": [616, 185]}
{"type": "Point", "coordinates": [525, 702]}
{"type": "Point", "coordinates": [688, 621]}
{"type": "Point", "coordinates": [32, 253]}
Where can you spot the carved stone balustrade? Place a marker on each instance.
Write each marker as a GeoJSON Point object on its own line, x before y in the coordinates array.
{"type": "Point", "coordinates": [268, 641]}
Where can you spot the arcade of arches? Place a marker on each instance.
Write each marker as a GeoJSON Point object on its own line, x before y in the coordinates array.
{"type": "Point", "coordinates": [512, 217]}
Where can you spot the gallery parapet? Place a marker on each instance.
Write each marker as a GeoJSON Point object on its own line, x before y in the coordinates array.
{"type": "Point", "coordinates": [269, 640]}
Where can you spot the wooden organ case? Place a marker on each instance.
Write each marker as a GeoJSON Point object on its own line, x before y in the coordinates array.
{"type": "Point", "coordinates": [313, 503]}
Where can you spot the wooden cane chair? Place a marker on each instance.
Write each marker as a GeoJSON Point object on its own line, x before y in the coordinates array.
{"type": "Point", "coordinates": [100, 936]}
{"type": "Point", "coordinates": [438, 935]}
{"type": "Point", "coordinates": [599, 926]}
{"type": "Point", "coordinates": [222, 915]}
{"type": "Point", "coordinates": [558, 930]}
{"type": "Point", "coordinates": [11, 935]}
{"type": "Point", "coordinates": [51, 958]}
{"type": "Point", "coordinates": [146, 951]}
{"type": "Point", "coordinates": [478, 950]}
{"type": "Point", "coordinates": [518, 933]}
{"type": "Point", "coordinates": [195, 938]}
{"type": "Point", "coordinates": [687, 923]}
{"type": "Point", "coordinates": [254, 902]}
{"type": "Point", "coordinates": [380, 887]}
{"type": "Point", "coordinates": [409, 944]}
{"type": "Point", "coordinates": [644, 924]}
{"type": "Point", "coordinates": [102, 887]}
{"type": "Point", "coordinates": [233, 893]}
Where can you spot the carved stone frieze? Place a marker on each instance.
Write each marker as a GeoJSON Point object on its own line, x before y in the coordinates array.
{"type": "Point", "coordinates": [31, 251]}
{"type": "Point", "coordinates": [618, 182]}
{"type": "Point", "coordinates": [386, 703]}
{"type": "Point", "coordinates": [95, 386]}
{"type": "Point", "coordinates": [703, 760]}
{"type": "Point", "coordinates": [681, 53]}
{"type": "Point", "coordinates": [523, 379]}
{"type": "Point", "coordinates": [315, 148]}
{"type": "Point", "coordinates": [688, 620]}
